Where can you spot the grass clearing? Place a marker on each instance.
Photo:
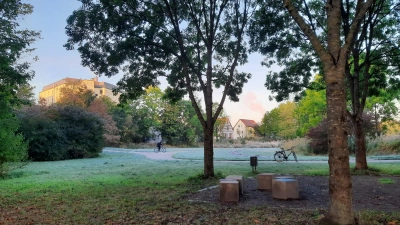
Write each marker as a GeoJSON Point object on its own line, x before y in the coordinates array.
{"type": "Point", "coordinates": [127, 188]}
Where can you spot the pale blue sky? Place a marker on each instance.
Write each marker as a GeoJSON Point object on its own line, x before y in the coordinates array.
{"type": "Point", "coordinates": [55, 62]}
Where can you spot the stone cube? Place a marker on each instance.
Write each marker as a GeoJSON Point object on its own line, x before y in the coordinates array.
{"type": "Point", "coordinates": [264, 181]}
{"type": "Point", "coordinates": [285, 188]}
{"type": "Point", "coordinates": [239, 179]}
{"type": "Point", "coordinates": [228, 190]}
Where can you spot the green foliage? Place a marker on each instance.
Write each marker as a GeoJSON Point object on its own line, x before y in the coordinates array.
{"type": "Point", "coordinates": [270, 124]}
{"type": "Point", "coordinates": [311, 110]}
{"type": "Point", "coordinates": [280, 122]}
{"type": "Point", "coordinates": [58, 133]}
{"type": "Point", "coordinates": [13, 148]}
{"type": "Point", "coordinates": [83, 130]}
{"type": "Point", "coordinates": [47, 141]}
{"type": "Point", "coordinates": [179, 124]}
{"type": "Point", "coordinates": [14, 43]}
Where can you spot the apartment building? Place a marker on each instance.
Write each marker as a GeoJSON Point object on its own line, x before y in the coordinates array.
{"type": "Point", "coordinates": [52, 92]}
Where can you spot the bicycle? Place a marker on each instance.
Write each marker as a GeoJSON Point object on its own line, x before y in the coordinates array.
{"type": "Point", "coordinates": [279, 156]}
{"type": "Point", "coordinates": [162, 149]}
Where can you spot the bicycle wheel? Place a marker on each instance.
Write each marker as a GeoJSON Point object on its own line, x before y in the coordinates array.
{"type": "Point", "coordinates": [279, 156]}
{"type": "Point", "coordinates": [156, 150]}
{"type": "Point", "coordinates": [295, 157]}
{"type": "Point", "coordinates": [163, 149]}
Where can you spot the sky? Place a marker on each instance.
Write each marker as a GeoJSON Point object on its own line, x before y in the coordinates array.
{"type": "Point", "coordinates": [56, 63]}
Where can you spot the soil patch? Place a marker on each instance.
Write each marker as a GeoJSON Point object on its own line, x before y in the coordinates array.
{"type": "Point", "coordinates": [368, 194]}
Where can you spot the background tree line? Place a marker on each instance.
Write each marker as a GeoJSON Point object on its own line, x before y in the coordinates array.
{"type": "Point", "coordinates": [79, 125]}
{"type": "Point", "coordinates": [307, 118]}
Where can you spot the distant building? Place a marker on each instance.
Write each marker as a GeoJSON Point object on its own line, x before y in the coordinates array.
{"type": "Point", "coordinates": [244, 129]}
{"type": "Point", "coordinates": [223, 128]}
{"type": "Point", "coordinates": [51, 93]}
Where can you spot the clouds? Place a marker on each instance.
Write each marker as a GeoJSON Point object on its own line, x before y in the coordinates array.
{"type": "Point", "coordinates": [252, 103]}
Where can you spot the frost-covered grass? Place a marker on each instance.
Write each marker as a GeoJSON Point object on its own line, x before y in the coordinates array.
{"type": "Point", "coordinates": [385, 157]}
{"type": "Point", "coordinates": [241, 154]}
{"type": "Point", "coordinates": [126, 188]}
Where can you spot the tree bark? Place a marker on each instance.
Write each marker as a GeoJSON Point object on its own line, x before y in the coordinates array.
{"type": "Point", "coordinates": [208, 150]}
{"type": "Point", "coordinates": [361, 151]}
{"type": "Point", "coordinates": [340, 196]}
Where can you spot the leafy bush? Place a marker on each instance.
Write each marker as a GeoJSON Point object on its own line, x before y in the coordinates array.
{"type": "Point", "coordinates": [61, 132]}
{"type": "Point", "coordinates": [83, 130]}
{"type": "Point", "coordinates": [319, 138]}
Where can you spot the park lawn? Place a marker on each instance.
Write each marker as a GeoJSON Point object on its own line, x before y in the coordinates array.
{"type": "Point", "coordinates": [126, 188]}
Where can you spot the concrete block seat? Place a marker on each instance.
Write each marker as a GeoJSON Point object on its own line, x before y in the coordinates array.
{"type": "Point", "coordinates": [285, 187]}
{"type": "Point", "coordinates": [264, 181]}
{"type": "Point", "coordinates": [239, 179]}
{"type": "Point", "coordinates": [228, 190]}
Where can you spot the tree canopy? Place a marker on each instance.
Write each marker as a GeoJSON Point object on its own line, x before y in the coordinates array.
{"type": "Point", "coordinates": [196, 45]}
{"type": "Point", "coordinates": [14, 43]}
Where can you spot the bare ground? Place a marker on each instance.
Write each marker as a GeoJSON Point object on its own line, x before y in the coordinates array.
{"type": "Point", "coordinates": [368, 194]}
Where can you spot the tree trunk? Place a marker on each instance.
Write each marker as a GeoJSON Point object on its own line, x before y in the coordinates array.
{"type": "Point", "coordinates": [208, 150]}
{"type": "Point", "coordinates": [340, 206]}
{"type": "Point", "coordinates": [361, 151]}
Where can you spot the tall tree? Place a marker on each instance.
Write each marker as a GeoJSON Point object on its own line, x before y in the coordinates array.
{"type": "Point", "coordinates": [301, 21]}
{"type": "Point", "coordinates": [14, 73]}
{"type": "Point", "coordinates": [374, 65]}
{"type": "Point", "coordinates": [288, 120]}
{"type": "Point", "coordinates": [196, 45]}
{"type": "Point", "coordinates": [269, 126]}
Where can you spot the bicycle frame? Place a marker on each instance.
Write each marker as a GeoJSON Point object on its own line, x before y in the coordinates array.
{"type": "Point", "coordinates": [281, 155]}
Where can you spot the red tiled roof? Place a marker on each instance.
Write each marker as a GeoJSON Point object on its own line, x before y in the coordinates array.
{"type": "Point", "coordinates": [249, 123]}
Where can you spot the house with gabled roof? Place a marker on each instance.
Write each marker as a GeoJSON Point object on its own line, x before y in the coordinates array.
{"type": "Point", "coordinates": [223, 128]}
{"type": "Point", "coordinates": [244, 128]}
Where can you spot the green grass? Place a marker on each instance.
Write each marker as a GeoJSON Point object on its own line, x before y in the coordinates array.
{"type": "Point", "coordinates": [386, 181]}
{"type": "Point", "coordinates": [126, 188]}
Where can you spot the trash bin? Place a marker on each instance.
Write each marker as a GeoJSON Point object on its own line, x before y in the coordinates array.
{"type": "Point", "coordinates": [253, 161]}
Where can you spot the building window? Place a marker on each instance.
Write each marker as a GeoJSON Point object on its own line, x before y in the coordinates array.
{"type": "Point", "coordinates": [101, 92]}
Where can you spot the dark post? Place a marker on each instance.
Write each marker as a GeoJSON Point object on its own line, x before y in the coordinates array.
{"type": "Point", "coordinates": [253, 163]}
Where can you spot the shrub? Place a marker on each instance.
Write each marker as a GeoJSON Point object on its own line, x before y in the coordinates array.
{"type": "Point", "coordinates": [61, 132]}
{"type": "Point", "coordinates": [319, 138]}
{"type": "Point", "coordinates": [83, 130]}
{"type": "Point", "coordinates": [47, 141]}
{"type": "Point", "coordinates": [13, 148]}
